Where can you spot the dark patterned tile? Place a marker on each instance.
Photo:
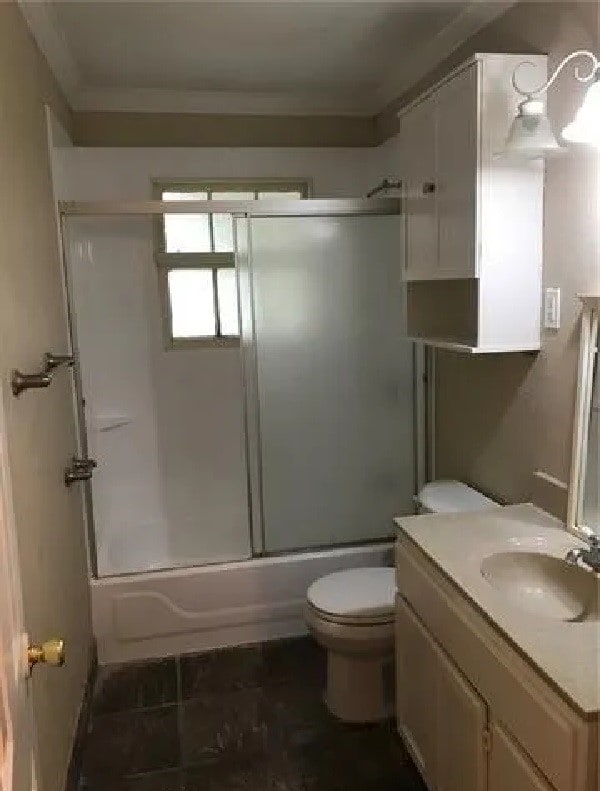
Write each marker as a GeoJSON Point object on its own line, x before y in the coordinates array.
{"type": "Point", "coordinates": [170, 780]}
{"type": "Point", "coordinates": [295, 714]}
{"type": "Point", "coordinates": [251, 719]}
{"type": "Point", "coordinates": [263, 775]}
{"type": "Point", "coordinates": [132, 742]}
{"type": "Point", "coordinates": [298, 660]}
{"type": "Point", "coordinates": [135, 685]}
{"type": "Point", "coordinates": [355, 759]}
{"type": "Point", "coordinates": [223, 670]}
{"type": "Point", "coordinates": [222, 726]}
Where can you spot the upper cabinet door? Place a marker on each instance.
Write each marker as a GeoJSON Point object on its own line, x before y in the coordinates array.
{"type": "Point", "coordinates": [457, 174]}
{"type": "Point", "coordinates": [419, 175]}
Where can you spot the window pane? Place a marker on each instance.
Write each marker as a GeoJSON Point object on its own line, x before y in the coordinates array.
{"type": "Point", "coordinates": [192, 303]}
{"type": "Point", "coordinates": [223, 224]}
{"type": "Point", "coordinates": [228, 302]}
{"type": "Point", "coordinates": [279, 194]}
{"type": "Point", "coordinates": [186, 233]}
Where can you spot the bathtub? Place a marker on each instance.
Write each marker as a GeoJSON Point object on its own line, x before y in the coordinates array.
{"type": "Point", "coordinates": [164, 613]}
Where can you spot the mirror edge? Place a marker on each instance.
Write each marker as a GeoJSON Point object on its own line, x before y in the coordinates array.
{"type": "Point", "coordinates": [585, 372]}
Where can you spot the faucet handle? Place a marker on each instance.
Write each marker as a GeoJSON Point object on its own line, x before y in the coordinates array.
{"type": "Point", "coordinates": [594, 541]}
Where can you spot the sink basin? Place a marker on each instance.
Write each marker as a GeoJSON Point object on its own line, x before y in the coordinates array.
{"type": "Point", "coordinates": [544, 585]}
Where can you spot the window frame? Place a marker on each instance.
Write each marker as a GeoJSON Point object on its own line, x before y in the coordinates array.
{"type": "Point", "coordinates": [166, 262]}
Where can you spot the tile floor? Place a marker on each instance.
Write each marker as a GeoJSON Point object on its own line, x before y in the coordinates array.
{"type": "Point", "coordinates": [241, 719]}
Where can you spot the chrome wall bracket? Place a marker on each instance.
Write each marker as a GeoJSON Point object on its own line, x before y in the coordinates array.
{"type": "Point", "coordinates": [53, 361]}
{"type": "Point", "coordinates": [80, 470]}
{"type": "Point", "coordinates": [20, 381]}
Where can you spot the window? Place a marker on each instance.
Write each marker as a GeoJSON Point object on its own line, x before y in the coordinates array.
{"type": "Point", "coordinates": [196, 261]}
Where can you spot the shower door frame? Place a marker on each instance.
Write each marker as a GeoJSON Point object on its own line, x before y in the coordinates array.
{"type": "Point", "coordinates": [305, 207]}
{"type": "Point", "coordinates": [248, 348]}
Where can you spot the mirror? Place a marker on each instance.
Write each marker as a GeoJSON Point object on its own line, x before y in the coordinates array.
{"type": "Point", "coordinates": [583, 513]}
{"type": "Point", "coordinates": [590, 513]}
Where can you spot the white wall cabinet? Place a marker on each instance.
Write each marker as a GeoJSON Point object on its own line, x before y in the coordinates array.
{"type": "Point", "coordinates": [472, 713]}
{"type": "Point", "coordinates": [419, 173]}
{"type": "Point", "coordinates": [474, 219]}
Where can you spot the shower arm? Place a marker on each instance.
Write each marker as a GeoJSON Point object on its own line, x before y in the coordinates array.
{"type": "Point", "coordinates": [386, 184]}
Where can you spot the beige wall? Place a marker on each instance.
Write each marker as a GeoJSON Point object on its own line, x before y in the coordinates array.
{"type": "Point", "coordinates": [194, 129]}
{"type": "Point", "coordinates": [40, 423]}
{"type": "Point", "coordinates": [500, 418]}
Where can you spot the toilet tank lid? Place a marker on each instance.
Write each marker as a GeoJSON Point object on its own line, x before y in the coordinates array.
{"type": "Point", "coordinates": [355, 592]}
{"type": "Point", "coordinates": [447, 497]}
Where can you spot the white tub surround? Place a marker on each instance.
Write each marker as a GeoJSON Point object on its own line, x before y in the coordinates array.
{"type": "Point", "coordinates": [565, 653]}
{"type": "Point", "coordinates": [163, 613]}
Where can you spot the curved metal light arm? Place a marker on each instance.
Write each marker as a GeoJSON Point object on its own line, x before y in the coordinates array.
{"type": "Point", "coordinates": [582, 77]}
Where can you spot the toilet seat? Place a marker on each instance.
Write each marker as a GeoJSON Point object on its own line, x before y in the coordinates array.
{"type": "Point", "coordinates": [358, 621]}
{"type": "Point", "coordinates": [362, 596]}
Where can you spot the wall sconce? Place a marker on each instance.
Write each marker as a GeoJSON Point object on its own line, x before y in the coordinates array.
{"type": "Point", "coordinates": [531, 136]}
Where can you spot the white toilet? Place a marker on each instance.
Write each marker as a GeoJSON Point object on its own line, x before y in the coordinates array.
{"type": "Point", "coordinates": [351, 614]}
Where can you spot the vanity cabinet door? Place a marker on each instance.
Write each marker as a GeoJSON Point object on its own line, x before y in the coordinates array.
{"type": "Point", "coordinates": [509, 767]}
{"type": "Point", "coordinates": [440, 716]}
{"type": "Point", "coordinates": [461, 732]}
{"type": "Point", "coordinates": [416, 673]}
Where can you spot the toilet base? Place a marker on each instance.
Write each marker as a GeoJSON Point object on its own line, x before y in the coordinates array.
{"type": "Point", "coordinates": [360, 689]}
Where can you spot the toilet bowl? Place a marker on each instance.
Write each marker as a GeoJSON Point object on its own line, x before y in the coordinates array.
{"type": "Point", "coordinates": [351, 614]}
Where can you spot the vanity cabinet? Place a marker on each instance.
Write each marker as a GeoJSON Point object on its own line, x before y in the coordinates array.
{"type": "Point", "coordinates": [510, 768]}
{"type": "Point", "coordinates": [473, 219]}
{"type": "Point", "coordinates": [440, 715]}
{"type": "Point", "coordinates": [474, 715]}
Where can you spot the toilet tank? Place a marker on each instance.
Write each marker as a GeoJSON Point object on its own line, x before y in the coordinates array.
{"type": "Point", "coordinates": [446, 497]}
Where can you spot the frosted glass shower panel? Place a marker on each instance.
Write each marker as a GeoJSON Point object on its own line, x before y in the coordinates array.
{"type": "Point", "coordinates": [335, 383]}
{"type": "Point", "coordinates": [164, 424]}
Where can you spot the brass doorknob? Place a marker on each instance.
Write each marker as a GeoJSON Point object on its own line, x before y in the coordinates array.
{"type": "Point", "coordinates": [52, 652]}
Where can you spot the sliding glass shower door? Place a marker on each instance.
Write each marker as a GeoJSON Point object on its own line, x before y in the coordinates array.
{"type": "Point", "coordinates": [329, 380]}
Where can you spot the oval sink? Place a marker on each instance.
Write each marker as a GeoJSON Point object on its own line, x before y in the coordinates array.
{"type": "Point", "coordinates": [544, 585]}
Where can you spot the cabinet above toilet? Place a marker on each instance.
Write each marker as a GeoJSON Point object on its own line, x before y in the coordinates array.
{"type": "Point", "coordinates": [473, 217]}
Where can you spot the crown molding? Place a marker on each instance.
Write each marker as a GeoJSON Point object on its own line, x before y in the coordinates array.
{"type": "Point", "coordinates": [40, 19]}
{"type": "Point", "coordinates": [143, 100]}
{"type": "Point", "coordinates": [421, 61]}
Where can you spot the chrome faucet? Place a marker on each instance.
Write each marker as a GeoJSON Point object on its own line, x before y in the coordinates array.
{"type": "Point", "coordinates": [589, 557]}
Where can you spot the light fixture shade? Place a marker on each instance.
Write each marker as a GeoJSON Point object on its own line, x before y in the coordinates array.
{"type": "Point", "coordinates": [530, 135]}
{"type": "Point", "coordinates": [585, 128]}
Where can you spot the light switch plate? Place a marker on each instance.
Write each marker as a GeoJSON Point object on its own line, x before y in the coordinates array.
{"type": "Point", "coordinates": [552, 309]}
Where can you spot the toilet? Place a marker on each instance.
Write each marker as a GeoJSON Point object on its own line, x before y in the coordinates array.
{"type": "Point", "coordinates": [351, 614]}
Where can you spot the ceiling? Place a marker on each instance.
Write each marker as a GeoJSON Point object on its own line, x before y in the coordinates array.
{"type": "Point", "coordinates": [289, 56]}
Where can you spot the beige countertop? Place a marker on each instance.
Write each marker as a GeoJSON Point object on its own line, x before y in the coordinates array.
{"type": "Point", "coordinates": [566, 653]}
